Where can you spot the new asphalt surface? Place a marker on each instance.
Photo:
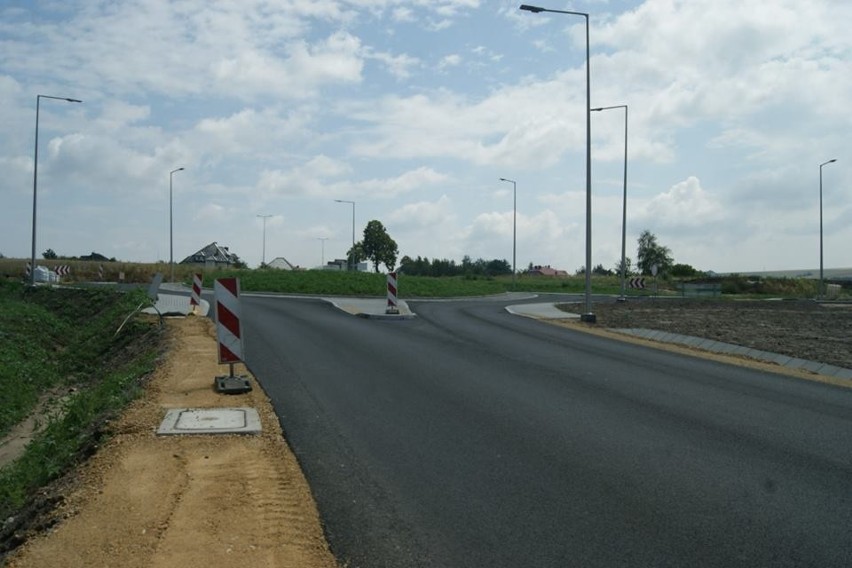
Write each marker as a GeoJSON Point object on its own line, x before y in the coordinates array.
{"type": "Point", "coordinates": [466, 436]}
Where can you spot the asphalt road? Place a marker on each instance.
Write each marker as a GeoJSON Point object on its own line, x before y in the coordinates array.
{"type": "Point", "coordinates": [471, 437]}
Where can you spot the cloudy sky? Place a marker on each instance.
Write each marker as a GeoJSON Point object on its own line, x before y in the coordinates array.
{"type": "Point", "coordinates": [414, 109]}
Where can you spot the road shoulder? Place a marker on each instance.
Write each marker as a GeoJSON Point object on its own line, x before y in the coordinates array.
{"type": "Point", "coordinates": [189, 500]}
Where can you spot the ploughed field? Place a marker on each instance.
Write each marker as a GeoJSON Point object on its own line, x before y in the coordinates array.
{"type": "Point", "coordinates": [799, 328]}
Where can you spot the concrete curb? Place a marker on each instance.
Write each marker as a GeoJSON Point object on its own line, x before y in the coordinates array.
{"type": "Point", "coordinates": [550, 311]}
{"type": "Point", "coordinates": [371, 308]}
{"type": "Point", "coordinates": [731, 349]}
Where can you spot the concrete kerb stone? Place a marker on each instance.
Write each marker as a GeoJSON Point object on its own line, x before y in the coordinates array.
{"type": "Point", "coordinates": [371, 308]}
{"type": "Point", "coordinates": [546, 310]}
{"type": "Point", "coordinates": [731, 349]}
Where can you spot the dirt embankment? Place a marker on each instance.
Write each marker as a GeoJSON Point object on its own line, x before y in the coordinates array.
{"type": "Point", "coordinates": [190, 501]}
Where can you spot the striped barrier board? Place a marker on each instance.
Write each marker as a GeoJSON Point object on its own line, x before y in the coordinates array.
{"type": "Point", "coordinates": [63, 270]}
{"type": "Point", "coordinates": [392, 292]}
{"type": "Point", "coordinates": [637, 282]}
{"type": "Point", "coordinates": [228, 332]}
{"type": "Point", "coordinates": [195, 298]}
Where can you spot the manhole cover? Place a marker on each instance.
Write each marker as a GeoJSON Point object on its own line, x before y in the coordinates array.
{"type": "Point", "coordinates": [210, 421]}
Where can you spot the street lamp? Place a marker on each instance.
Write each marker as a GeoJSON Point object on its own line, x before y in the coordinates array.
{"type": "Point", "coordinates": [514, 225]}
{"type": "Point", "coordinates": [322, 258]}
{"type": "Point", "coordinates": [588, 316]}
{"type": "Point", "coordinates": [263, 255]}
{"type": "Point", "coordinates": [352, 256]}
{"type": "Point", "coordinates": [624, 207]}
{"type": "Point", "coordinates": [35, 178]}
{"type": "Point", "coordinates": [171, 227]}
{"type": "Point", "coordinates": [821, 290]}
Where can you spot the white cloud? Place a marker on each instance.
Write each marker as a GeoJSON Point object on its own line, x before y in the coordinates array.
{"type": "Point", "coordinates": [398, 65]}
{"type": "Point", "coordinates": [686, 205]}
{"type": "Point", "coordinates": [318, 178]}
{"type": "Point", "coordinates": [423, 213]}
{"type": "Point", "coordinates": [452, 60]}
{"type": "Point", "coordinates": [279, 106]}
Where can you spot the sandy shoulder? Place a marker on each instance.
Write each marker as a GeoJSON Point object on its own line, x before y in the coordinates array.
{"type": "Point", "coordinates": [189, 501]}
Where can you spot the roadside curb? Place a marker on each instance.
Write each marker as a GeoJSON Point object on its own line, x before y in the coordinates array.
{"type": "Point", "coordinates": [549, 311]}
{"type": "Point", "coordinates": [400, 316]}
{"type": "Point", "coordinates": [731, 349]}
{"type": "Point", "coordinates": [371, 308]}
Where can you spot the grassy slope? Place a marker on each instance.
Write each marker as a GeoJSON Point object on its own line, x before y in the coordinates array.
{"type": "Point", "coordinates": [65, 338]}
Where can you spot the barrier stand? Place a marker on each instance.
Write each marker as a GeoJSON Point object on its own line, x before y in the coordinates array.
{"type": "Point", "coordinates": [195, 297]}
{"type": "Point", "coordinates": [392, 307]}
{"type": "Point", "coordinates": [226, 292]}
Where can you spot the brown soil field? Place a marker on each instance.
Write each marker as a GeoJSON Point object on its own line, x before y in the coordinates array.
{"type": "Point", "coordinates": [798, 328]}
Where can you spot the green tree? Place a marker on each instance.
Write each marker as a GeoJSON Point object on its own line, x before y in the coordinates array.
{"type": "Point", "coordinates": [683, 271]}
{"type": "Point", "coordinates": [356, 254]}
{"type": "Point", "coordinates": [627, 262]}
{"type": "Point", "coordinates": [497, 267]}
{"type": "Point", "coordinates": [50, 254]}
{"type": "Point", "coordinates": [599, 270]}
{"type": "Point", "coordinates": [652, 253]}
{"type": "Point", "coordinates": [378, 245]}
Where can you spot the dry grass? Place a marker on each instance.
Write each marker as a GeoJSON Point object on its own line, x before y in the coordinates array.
{"type": "Point", "coordinates": [87, 271]}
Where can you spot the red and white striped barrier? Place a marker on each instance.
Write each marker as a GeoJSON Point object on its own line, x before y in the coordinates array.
{"type": "Point", "coordinates": [101, 272]}
{"type": "Point", "coordinates": [228, 329]}
{"type": "Point", "coordinates": [195, 298]}
{"type": "Point", "coordinates": [392, 291]}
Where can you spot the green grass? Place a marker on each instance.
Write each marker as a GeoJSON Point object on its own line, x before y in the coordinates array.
{"type": "Point", "coordinates": [31, 342]}
{"type": "Point", "coordinates": [55, 337]}
{"type": "Point", "coordinates": [332, 283]}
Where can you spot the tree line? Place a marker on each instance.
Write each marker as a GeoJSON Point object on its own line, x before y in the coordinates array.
{"type": "Point", "coordinates": [444, 267]}
{"type": "Point", "coordinates": [378, 247]}
{"type": "Point", "coordinates": [651, 257]}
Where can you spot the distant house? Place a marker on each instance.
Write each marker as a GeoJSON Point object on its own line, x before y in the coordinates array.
{"type": "Point", "coordinates": [97, 257]}
{"type": "Point", "coordinates": [212, 256]}
{"type": "Point", "coordinates": [546, 271]}
{"type": "Point", "coordinates": [342, 264]}
{"type": "Point", "coordinates": [281, 263]}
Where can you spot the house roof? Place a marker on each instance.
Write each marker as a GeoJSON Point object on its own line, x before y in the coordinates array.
{"type": "Point", "coordinates": [281, 263]}
{"type": "Point", "coordinates": [211, 253]}
{"type": "Point", "coordinates": [548, 271]}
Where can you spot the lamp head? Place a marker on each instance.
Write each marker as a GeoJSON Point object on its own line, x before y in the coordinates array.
{"type": "Point", "coordinates": [74, 100]}
{"type": "Point", "coordinates": [534, 9]}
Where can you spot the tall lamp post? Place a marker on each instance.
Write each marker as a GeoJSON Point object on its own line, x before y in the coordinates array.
{"type": "Point", "coordinates": [322, 258]}
{"type": "Point", "coordinates": [514, 226]}
{"type": "Point", "coordinates": [352, 256]}
{"type": "Point", "coordinates": [35, 178]}
{"type": "Point", "coordinates": [624, 207]}
{"type": "Point", "coordinates": [588, 316]}
{"type": "Point", "coordinates": [171, 227]}
{"type": "Point", "coordinates": [821, 291]}
{"type": "Point", "coordinates": [263, 254]}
